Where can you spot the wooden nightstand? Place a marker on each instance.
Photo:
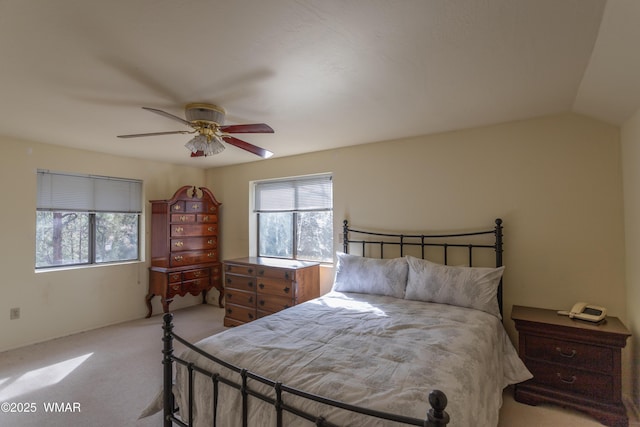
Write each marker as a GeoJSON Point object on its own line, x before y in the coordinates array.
{"type": "Point", "coordinates": [574, 363]}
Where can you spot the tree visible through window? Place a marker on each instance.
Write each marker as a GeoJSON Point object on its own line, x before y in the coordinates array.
{"type": "Point", "coordinates": [86, 219]}
{"type": "Point", "coordinates": [295, 218]}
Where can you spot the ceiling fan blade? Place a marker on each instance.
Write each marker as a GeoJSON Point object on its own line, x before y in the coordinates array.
{"type": "Point", "coordinates": [265, 154]}
{"type": "Point", "coordinates": [169, 115]}
{"type": "Point", "coordinates": [137, 135]}
{"type": "Point", "coordinates": [251, 128]}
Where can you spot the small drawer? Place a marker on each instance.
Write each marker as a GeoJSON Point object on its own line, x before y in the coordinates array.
{"type": "Point", "coordinates": [590, 384]}
{"type": "Point", "coordinates": [273, 304]}
{"type": "Point", "coordinates": [181, 218]}
{"type": "Point", "coordinates": [175, 277]}
{"type": "Point", "coordinates": [193, 206]}
{"type": "Point", "coordinates": [196, 286]}
{"type": "Point", "coordinates": [247, 270]}
{"type": "Point", "coordinates": [243, 283]}
{"type": "Point", "coordinates": [178, 206]}
{"type": "Point", "coordinates": [207, 218]}
{"type": "Point", "coordinates": [174, 289]}
{"type": "Point", "coordinates": [196, 274]}
{"type": "Point", "coordinates": [570, 353]}
{"type": "Point", "coordinates": [238, 297]}
{"type": "Point", "coordinates": [241, 313]}
{"type": "Point", "coordinates": [276, 287]}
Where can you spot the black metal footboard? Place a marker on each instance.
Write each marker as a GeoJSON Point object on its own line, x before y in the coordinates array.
{"type": "Point", "coordinates": [436, 416]}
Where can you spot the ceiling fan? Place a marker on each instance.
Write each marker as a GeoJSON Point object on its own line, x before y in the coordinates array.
{"type": "Point", "coordinates": [206, 121]}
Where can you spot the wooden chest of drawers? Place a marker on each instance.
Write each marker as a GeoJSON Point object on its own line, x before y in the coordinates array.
{"type": "Point", "coordinates": [184, 246]}
{"type": "Point", "coordinates": [574, 363]}
{"type": "Point", "coordinates": [257, 287]}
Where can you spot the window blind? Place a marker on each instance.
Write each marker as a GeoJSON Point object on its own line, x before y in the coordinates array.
{"type": "Point", "coordinates": [296, 194]}
{"type": "Point", "coordinates": [62, 191]}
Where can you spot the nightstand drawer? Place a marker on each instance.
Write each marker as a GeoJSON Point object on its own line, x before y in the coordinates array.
{"type": "Point", "coordinates": [569, 353]}
{"type": "Point", "coordinates": [590, 384]}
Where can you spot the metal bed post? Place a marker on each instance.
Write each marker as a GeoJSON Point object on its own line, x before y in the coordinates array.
{"type": "Point", "coordinates": [167, 361]}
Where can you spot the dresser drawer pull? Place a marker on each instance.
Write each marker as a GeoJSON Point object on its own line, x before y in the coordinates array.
{"type": "Point", "coordinates": [229, 311]}
{"type": "Point", "coordinates": [195, 207]}
{"type": "Point", "coordinates": [261, 285]}
{"type": "Point", "coordinates": [250, 271]}
{"type": "Point", "coordinates": [260, 272]}
{"type": "Point", "coordinates": [183, 218]}
{"type": "Point", "coordinates": [567, 355]}
{"type": "Point", "coordinates": [179, 244]}
{"type": "Point", "coordinates": [179, 229]}
{"type": "Point", "coordinates": [210, 242]}
{"type": "Point", "coordinates": [251, 316]}
{"type": "Point", "coordinates": [178, 258]}
{"type": "Point", "coordinates": [261, 302]}
{"type": "Point", "coordinates": [250, 284]}
{"type": "Point", "coordinates": [251, 299]}
{"type": "Point", "coordinates": [286, 275]}
{"type": "Point", "coordinates": [567, 380]}
{"type": "Point", "coordinates": [211, 229]}
{"type": "Point", "coordinates": [229, 296]}
{"type": "Point", "coordinates": [286, 290]}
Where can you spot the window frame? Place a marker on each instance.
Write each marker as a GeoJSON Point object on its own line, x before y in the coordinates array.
{"type": "Point", "coordinates": [99, 193]}
{"type": "Point", "coordinates": [295, 211]}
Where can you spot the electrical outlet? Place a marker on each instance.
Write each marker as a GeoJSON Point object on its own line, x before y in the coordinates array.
{"type": "Point", "coordinates": [14, 313]}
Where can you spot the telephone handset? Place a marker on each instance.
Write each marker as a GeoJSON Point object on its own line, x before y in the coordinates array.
{"type": "Point", "coordinates": [588, 312]}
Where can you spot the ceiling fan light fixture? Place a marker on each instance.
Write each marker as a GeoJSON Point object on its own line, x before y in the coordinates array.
{"type": "Point", "coordinates": [207, 113]}
{"type": "Point", "coordinates": [208, 147]}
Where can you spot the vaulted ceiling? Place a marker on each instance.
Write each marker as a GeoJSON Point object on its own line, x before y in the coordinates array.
{"type": "Point", "coordinates": [323, 74]}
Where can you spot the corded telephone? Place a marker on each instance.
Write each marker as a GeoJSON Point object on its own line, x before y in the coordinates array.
{"type": "Point", "coordinates": [584, 311]}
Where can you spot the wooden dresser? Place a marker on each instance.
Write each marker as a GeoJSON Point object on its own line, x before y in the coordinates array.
{"type": "Point", "coordinates": [256, 287]}
{"type": "Point", "coordinates": [184, 246]}
{"type": "Point", "coordinates": [574, 363]}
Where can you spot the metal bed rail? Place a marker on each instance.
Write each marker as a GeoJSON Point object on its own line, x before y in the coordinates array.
{"type": "Point", "coordinates": [367, 239]}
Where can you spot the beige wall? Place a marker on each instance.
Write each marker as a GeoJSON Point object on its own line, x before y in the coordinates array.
{"type": "Point", "coordinates": [630, 138]}
{"type": "Point", "coordinates": [555, 181]}
{"type": "Point", "coordinates": [58, 303]}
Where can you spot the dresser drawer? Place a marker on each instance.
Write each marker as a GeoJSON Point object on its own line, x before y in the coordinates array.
{"type": "Point", "coordinates": [273, 304]}
{"type": "Point", "coordinates": [175, 277]}
{"type": "Point", "coordinates": [196, 274]}
{"type": "Point", "coordinates": [193, 206]}
{"type": "Point", "coordinates": [238, 297]}
{"type": "Point", "coordinates": [276, 287]}
{"type": "Point", "coordinates": [207, 218]}
{"type": "Point", "coordinates": [590, 384]}
{"type": "Point", "coordinates": [569, 353]}
{"type": "Point", "coordinates": [242, 283]}
{"type": "Point", "coordinates": [189, 258]}
{"type": "Point", "coordinates": [276, 273]}
{"type": "Point", "coordinates": [179, 230]}
{"type": "Point", "coordinates": [240, 313]}
{"type": "Point", "coordinates": [247, 270]}
{"type": "Point", "coordinates": [182, 218]}
{"type": "Point", "coordinates": [193, 243]}
{"type": "Point", "coordinates": [174, 289]}
{"type": "Point", "coordinates": [195, 286]}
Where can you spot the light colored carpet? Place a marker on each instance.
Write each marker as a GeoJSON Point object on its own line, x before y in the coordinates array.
{"type": "Point", "coordinates": [111, 375]}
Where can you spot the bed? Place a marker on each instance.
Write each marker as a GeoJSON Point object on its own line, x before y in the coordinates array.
{"type": "Point", "coordinates": [409, 335]}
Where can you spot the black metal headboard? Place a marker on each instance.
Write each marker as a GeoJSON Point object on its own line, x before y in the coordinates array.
{"type": "Point", "coordinates": [370, 239]}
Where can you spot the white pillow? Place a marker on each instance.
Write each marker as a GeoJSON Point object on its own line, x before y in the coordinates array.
{"type": "Point", "coordinates": [472, 287]}
{"type": "Point", "coordinates": [371, 276]}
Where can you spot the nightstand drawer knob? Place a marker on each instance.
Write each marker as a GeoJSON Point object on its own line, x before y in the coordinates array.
{"type": "Point", "coordinates": [567, 380]}
{"type": "Point", "coordinates": [567, 355]}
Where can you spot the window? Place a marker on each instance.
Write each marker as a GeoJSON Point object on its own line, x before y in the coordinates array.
{"type": "Point", "coordinates": [84, 219]}
{"type": "Point", "coordinates": [295, 218]}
